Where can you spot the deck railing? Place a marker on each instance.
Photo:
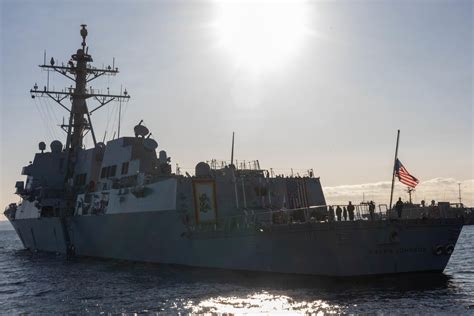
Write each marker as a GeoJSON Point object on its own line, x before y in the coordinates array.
{"type": "Point", "coordinates": [261, 218]}
{"type": "Point", "coordinates": [265, 218]}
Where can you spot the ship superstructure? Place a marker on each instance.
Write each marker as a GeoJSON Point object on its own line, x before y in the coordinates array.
{"type": "Point", "coordinates": [122, 200]}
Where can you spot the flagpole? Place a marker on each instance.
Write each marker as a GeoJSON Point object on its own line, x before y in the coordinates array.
{"type": "Point", "coordinates": [393, 169]}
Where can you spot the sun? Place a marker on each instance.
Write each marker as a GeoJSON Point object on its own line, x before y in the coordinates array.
{"type": "Point", "coordinates": [261, 35]}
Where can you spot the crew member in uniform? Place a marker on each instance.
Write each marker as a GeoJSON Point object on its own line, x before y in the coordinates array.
{"type": "Point", "coordinates": [331, 214]}
{"type": "Point", "coordinates": [338, 213]}
{"type": "Point", "coordinates": [371, 210]}
{"type": "Point", "coordinates": [350, 209]}
{"type": "Point", "coordinates": [399, 207]}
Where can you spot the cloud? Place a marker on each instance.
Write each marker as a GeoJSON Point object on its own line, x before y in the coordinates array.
{"type": "Point", "coordinates": [438, 189]}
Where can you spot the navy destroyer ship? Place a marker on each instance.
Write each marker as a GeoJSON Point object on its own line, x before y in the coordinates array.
{"type": "Point", "coordinates": [122, 200]}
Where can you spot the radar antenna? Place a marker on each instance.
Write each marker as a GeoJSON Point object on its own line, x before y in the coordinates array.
{"type": "Point", "coordinates": [81, 72]}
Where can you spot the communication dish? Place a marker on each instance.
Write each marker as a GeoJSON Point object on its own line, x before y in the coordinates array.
{"type": "Point", "coordinates": [150, 144]}
{"type": "Point", "coordinates": [140, 130]}
{"type": "Point", "coordinates": [56, 146]}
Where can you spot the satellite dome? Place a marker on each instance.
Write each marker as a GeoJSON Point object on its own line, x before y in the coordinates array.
{"type": "Point", "coordinates": [83, 30]}
{"type": "Point", "coordinates": [56, 146]}
{"type": "Point", "coordinates": [163, 157]}
{"type": "Point", "coordinates": [150, 144]}
{"type": "Point", "coordinates": [42, 146]}
{"type": "Point", "coordinates": [203, 170]}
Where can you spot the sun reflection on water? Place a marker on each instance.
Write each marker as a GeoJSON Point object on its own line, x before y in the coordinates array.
{"type": "Point", "coordinates": [263, 302]}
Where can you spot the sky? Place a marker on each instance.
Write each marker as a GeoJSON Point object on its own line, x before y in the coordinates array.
{"type": "Point", "coordinates": [304, 84]}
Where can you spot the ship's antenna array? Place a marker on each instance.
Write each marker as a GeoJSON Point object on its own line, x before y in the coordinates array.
{"type": "Point", "coordinates": [460, 198]}
{"type": "Point", "coordinates": [79, 70]}
{"type": "Point", "coordinates": [232, 151]}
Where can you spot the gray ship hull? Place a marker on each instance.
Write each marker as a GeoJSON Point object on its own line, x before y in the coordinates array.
{"type": "Point", "coordinates": [328, 249]}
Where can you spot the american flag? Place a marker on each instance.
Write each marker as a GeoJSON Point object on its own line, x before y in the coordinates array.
{"type": "Point", "coordinates": [404, 176]}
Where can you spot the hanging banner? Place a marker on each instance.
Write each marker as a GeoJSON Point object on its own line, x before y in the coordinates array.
{"type": "Point", "coordinates": [205, 204]}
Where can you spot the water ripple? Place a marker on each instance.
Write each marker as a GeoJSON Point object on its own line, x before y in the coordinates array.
{"type": "Point", "coordinates": [46, 283]}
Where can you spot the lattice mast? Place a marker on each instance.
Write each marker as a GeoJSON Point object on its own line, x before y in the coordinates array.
{"type": "Point", "coordinates": [81, 72]}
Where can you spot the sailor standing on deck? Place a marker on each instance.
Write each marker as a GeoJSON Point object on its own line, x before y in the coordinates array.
{"type": "Point", "coordinates": [350, 209]}
{"type": "Point", "coordinates": [371, 210]}
{"type": "Point", "coordinates": [344, 213]}
{"type": "Point", "coordinates": [338, 213]}
{"type": "Point", "coordinates": [331, 214]}
{"type": "Point", "coordinates": [399, 207]}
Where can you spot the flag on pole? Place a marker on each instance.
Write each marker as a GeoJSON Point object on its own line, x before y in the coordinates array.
{"type": "Point", "coordinates": [404, 176]}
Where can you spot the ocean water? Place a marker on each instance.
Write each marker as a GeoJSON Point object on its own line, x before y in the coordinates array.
{"type": "Point", "coordinates": [49, 284]}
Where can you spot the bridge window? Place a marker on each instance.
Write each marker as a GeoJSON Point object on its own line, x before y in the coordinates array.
{"type": "Point", "coordinates": [103, 173]}
{"type": "Point", "coordinates": [108, 172]}
{"type": "Point", "coordinates": [125, 168]}
{"type": "Point", "coordinates": [112, 170]}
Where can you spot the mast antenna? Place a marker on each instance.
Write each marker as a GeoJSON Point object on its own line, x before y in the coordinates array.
{"type": "Point", "coordinates": [232, 152]}
{"type": "Point", "coordinates": [460, 198]}
{"type": "Point", "coordinates": [120, 112]}
{"type": "Point", "coordinates": [84, 35]}
{"type": "Point", "coordinates": [79, 70]}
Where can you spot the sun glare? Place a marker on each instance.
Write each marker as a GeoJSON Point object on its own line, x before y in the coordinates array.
{"type": "Point", "coordinates": [260, 35]}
